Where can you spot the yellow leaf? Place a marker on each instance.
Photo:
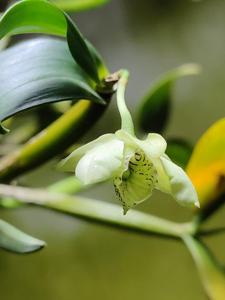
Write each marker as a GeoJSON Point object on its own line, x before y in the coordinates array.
{"type": "Point", "coordinates": [206, 167]}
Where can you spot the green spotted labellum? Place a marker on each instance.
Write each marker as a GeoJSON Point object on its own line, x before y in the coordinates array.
{"type": "Point", "coordinates": [136, 167]}
{"type": "Point", "coordinates": [136, 182]}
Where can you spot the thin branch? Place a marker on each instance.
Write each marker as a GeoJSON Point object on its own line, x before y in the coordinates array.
{"type": "Point", "coordinates": [98, 211]}
{"type": "Point", "coordinates": [210, 270]}
{"type": "Point", "coordinates": [126, 119]}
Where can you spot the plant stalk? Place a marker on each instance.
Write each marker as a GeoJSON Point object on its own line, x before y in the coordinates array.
{"type": "Point", "coordinates": [126, 119]}
{"type": "Point", "coordinates": [98, 212]}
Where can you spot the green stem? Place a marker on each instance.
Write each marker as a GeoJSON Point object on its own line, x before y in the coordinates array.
{"type": "Point", "coordinates": [70, 185]}
{"type": "Point", "coordinates": [98, 211]}
{"type": "Point", "coordinates": [51, 141]}
{"type": "Point", "coordinates": [126, 119]}
{"type": "Point", "coordinates": [210, 271]}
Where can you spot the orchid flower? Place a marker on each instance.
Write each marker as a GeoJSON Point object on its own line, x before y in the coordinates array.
{"type": "Point", "coordinates": [135, 166]}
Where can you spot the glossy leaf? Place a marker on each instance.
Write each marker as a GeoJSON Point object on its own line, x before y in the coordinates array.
{"type": "Point", "coordinates": [179, 151]}
{"type": "Point", "coordinates": [3, 42]}
{"type": "Point", "coordinates": [12, 239]}
{"type": "Point", "coordinates": [211, 273]}
{"type": "Point", "coordinates": [206, 167]}
{"type": "Point", "coordinates": [155, 107]}
{"type": "Point", "coordinates": [40, 16]}
{"type": "Point", "coordinates": [79, 5]}
{"type": "Point", "coordinates": [40, 71]}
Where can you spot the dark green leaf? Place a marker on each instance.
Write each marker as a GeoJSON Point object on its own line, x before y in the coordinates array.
{"type": "Point", "coordinates": [179, 151]}
{"type": "Point", "coordinates": [40, 16]}
{"type": "Point", "coordinates": [155, 107]}
{"type": "Point", "coordinates": [79, 5]}
{"type": "Point", "coordinates": [102, 69]}
{"type": "Point", "coordinates": [4, 42]}
{"type": "Point", "coordinates": [33, 16]}
{"type": "Point", "coordinates": [12, 239]}
{"type": "Point", "coordinates": [40, 71]}
{"type": "Point", "coordinates": [80, 50]}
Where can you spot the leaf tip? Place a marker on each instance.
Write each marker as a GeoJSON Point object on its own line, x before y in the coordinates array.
{"type": "Point", "coordinates": [3, 130]}
{"type": "Point", "coordinates": [189, 69]}
{"type": "Point", "coordinates": [36, 247]}
{"type": "Point", "coordinates": [197, 204]}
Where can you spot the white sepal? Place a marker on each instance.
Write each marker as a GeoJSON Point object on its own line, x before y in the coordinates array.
{"type": "Point", "coordinates": [69, 163]}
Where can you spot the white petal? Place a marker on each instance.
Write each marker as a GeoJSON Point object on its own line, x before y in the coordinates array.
{"type": "Point", "coordinates": [155, 145]}
{"type": "Point", "coordinates": [182, 188]}
{"type": "Point", "coordinates": [69, 163]}
{"type": "Point", "coordinates": [129, 140]}
{"type": "Point", "coordinates": [101, 162]}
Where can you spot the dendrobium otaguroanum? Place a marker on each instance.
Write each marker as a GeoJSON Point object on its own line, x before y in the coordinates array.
{"type": "Point", "coordinates": [135, 166]}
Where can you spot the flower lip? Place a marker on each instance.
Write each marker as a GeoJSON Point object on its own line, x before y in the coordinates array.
{"type": "Point", "coordinates": [135, 183]}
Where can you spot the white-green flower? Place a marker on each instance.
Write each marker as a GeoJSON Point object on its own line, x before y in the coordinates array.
{"type": "Point", "coordinates": [135, 166]}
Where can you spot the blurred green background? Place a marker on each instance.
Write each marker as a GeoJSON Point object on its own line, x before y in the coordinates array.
{"type": "Point", "coordinates": [85, 261]}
